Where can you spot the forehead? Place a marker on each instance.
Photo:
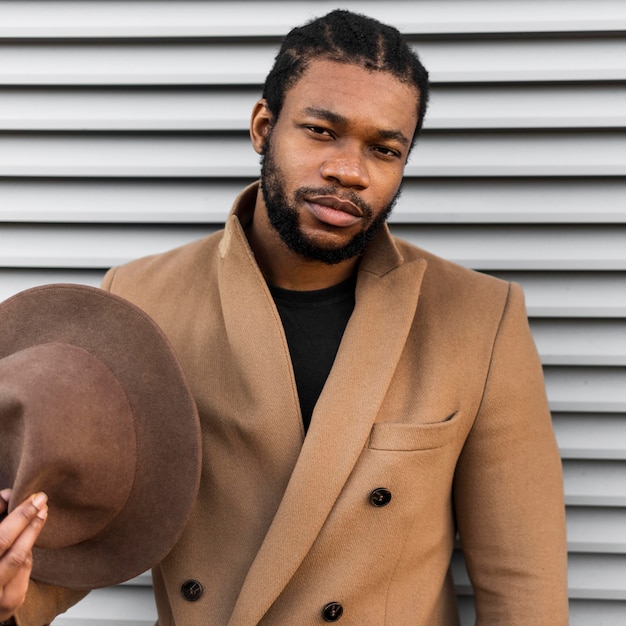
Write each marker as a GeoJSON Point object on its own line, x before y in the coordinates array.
{"type": "Point", "coordinates": [355, 93]}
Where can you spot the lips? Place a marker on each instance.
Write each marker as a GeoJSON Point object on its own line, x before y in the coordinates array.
{"type": "Point", "coordinates": [337, 204]}
{"type": "Point", "coordinates": [333, 212]}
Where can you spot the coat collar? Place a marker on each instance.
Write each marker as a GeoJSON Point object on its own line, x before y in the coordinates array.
{"type": "Point", "coordinates": [382, 255]}
{"type": "Point", "coordinates": [386, 299]}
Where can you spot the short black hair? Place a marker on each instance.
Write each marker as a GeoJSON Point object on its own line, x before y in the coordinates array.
{"type": "Point", "coordinates": [345, 37]}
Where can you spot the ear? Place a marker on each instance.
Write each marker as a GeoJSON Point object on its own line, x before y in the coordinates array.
{"type": "Point", "coordinates": [260, 125]}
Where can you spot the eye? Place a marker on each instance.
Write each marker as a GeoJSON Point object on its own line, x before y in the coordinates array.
{"type": "Point", "coordinates": [387, 152]}
{"type": "Point", "coordinates": [318, 130]}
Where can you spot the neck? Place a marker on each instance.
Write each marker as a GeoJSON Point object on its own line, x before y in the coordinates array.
{"type": "Point", "coordinates": [284, 268]}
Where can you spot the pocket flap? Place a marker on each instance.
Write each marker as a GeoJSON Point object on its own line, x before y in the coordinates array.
{"type": "Point", "coordinates": [395, 436]}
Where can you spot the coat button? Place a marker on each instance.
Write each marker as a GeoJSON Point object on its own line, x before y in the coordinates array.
{"type": "Point", "coordinates": [191, 590]}
{"type": "Point", "coordinates": [332, 612]}
{"type": "Point", "coordinates": [380, 497]}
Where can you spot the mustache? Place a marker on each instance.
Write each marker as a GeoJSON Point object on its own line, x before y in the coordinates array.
{"type": "Point", "coordinates": [303, 192]}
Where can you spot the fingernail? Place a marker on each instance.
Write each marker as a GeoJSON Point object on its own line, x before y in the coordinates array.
{"type": "Point", "coordinates": [39, 499]}
{"type": "Point", "coordinates": [5, 494]}
{"type": "Point", "coordinates": [43, 513]}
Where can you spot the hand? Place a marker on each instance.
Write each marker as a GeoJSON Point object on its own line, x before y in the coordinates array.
{"type": "Point", "coordinates": [18, 533]}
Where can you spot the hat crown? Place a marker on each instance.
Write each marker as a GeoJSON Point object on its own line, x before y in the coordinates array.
{"type": "Point", "coordinates": [48, 394]}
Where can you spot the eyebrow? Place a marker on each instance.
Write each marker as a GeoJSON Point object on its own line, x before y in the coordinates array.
{"type": "Point", "coordinates": [336, 118]}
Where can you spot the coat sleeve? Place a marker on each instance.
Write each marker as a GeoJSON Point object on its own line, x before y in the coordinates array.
{"type": "Point", "coordinates": [44, 602]}
{"type": "Point", "coordinates": [508, 488]}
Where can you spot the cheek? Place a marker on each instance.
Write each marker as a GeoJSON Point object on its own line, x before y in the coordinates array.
{"type": "Point", "coordinates": [293, 161]}
{"type": "Point", "coordinates": [385, 188]}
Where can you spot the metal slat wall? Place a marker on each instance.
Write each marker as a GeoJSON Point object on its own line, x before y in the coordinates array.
{"type": "Point", "coordinates": [123, 131]}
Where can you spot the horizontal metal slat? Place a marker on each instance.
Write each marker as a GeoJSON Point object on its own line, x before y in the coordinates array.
{"type": "Point", "coordinates": [223, 62]}
{"type": "Point", "coordinates": [524, 59]}
{"type": "Point", "coordinates": [205, 109]}
{"type": "Point", "coordinates": [217, 155]}
{"type": "Point", "coordinates": [528, 153]}
{"type": "Point", "coordinates": [118, 201]}
{"type": "Point", "coordinates": [586, 389]}
{"type": "Point", "coordinates": [126, 155]}
{"type": "Point", "coordinates": [595, 483]}
{"type": "Point", "coordinates": [423, 201]}
{"type": "Point", "coordinates": [13, 281]}
{"type": "Point", "coordinates": [197, 155]}
{"type": "Point", "coordinates": [146, 109]}
{"type": "Point", "coordinates": [511, 200]}
{"type": "Point", "coordinates": [581, 342]}
{"type": "Point", "coordinates": [596, 530]}
{"type": "Point", "coordinates": [89, 247]}
{"type": "Point", "coordinates": [504, 106]}
{"type": "Point", "coordinates": [587, 612]}
{"type": "Point", "coordinates": [572, 294]}
{"type": "Point", "coordinates": [242, 18]}
{"type": "Point", "coordinates": [113, 606]}
{"type": "Point", "coordinates": [96, 246]}
{"type": "Point", "coordinates": [597, 576]}
{"type": "Point", "coordinates": [126, 63]}
{"type": "Point", "coordinates": [523, 247]}
{"type": "Point", "coordinates": [591, 436]}
{"type": "Point", "coordinates": [449, 201]}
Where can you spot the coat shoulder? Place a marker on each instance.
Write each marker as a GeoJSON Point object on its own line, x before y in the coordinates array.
{"type": "Point", "coordinates": [453, 280]}
{"type": "Point", "coordinates": [168, 271]}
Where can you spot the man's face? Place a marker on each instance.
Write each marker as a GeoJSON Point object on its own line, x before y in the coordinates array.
{"type": "Point", "coordinates": [334, 159]}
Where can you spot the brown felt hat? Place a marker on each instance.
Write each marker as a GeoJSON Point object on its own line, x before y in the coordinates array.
{"type": "Point", "coordinates": [95, 411]}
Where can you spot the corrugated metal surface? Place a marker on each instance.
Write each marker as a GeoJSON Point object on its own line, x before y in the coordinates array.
{"type": "Point", "coordinates": [123, 131]}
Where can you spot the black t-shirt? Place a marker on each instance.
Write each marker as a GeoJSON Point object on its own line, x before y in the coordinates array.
{"type": "Point", "coordinates": [314, 322]}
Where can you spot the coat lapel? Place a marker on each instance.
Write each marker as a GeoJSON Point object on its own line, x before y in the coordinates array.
{"type": "Point", "coordinates": [386, 299]}
{"type": "Point", "coordinates": [259, 350]}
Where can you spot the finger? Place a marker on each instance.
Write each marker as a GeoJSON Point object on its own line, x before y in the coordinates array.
{"type": "Point", "coordinates": [14, 592]}
{"type": "Point", "coordinates": [5, 496]}
{"type": "Point", "coordinates": [17, 558]}
{"type": "Point", "coordinates": [33, 508]}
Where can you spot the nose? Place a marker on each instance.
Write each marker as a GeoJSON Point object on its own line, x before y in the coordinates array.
{"type": "Point", "coordinates": [347, 167]}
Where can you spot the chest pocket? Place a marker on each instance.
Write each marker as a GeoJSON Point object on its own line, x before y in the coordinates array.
{"type": "Point", "coordinates": [408, 437]}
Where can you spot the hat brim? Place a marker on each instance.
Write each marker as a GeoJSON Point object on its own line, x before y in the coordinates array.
{"type": "Point", "coordinates": [168, 462]}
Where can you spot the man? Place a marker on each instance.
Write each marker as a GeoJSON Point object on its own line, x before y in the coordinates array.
{"type": "Point", "coordinates": [362, 401]}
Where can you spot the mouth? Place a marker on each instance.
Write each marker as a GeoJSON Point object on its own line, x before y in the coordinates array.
{"type": "Point", "coordinates": [333, 212]}
{"type": "Point", "coordinates": [336, 204]}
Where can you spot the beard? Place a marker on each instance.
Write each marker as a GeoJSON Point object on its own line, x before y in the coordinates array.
{"type": "Point", "coordinates": [284, 218]}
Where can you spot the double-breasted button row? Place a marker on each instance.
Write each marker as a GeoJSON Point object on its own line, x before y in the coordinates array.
{"type": "Point", "coordinates": [332, 612]}
{"type": "Point", "coordinates": [192, 590]}
{"type": "Point", "coordinates": [380, 497]}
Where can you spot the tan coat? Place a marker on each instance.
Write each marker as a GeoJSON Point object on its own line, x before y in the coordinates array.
{"type": "Point", "coordinates": [436, 395]}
